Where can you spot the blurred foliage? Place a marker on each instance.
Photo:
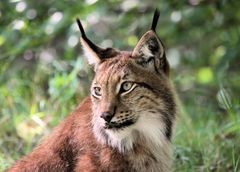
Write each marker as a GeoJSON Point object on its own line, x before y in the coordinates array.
{"type": "Point", "coordinates": [44, 74]}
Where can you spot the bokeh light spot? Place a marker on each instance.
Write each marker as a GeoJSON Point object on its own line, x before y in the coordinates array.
{"type": "Point", "coordinates": [18, 24]}
{"type": "Point", "coordinates": [217, 55]}
{"type": "Point", "coordinates": [90, 2]}
{"type": "Point", "coordinates": [176, 16]}
{"type": "Point", "coordinates": [2, 40]}
{"type": "Point", "coordinates": [56, 17]}
{"type": "Point", "coordinates": [205, 75]}
{"type": "Point", "coordinates": [31, 14]}
{"type": "Point", "coordinates": [72, 41]}
{"type": "Point", "coordinates": [21, 6]}
{"type": "Point", "coordinates": [132, 40]}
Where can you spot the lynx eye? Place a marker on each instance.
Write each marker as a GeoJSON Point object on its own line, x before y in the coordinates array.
{"type": "Point", "coordinates": [126, 87]}
{"type": "Point", "coordinates": [96, 91]}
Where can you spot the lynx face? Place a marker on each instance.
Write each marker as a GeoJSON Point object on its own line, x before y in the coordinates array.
{"type": "Point", "coordinates": [132, 97]}
{"type": "Point", "coordinates": [130, 102]}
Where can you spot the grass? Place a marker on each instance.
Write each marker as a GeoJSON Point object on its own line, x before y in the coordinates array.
{"type": "Point", "coordinates": [207, 139]}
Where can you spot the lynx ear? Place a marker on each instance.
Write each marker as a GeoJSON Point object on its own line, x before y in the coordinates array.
{"type": "Point", "coordinates": [94, 53]}
{"type": "Point", "coordinates": [149, 51]}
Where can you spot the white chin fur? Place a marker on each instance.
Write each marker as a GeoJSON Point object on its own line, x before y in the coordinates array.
{"type": "Point", "coordinates": [148, 127]}
{"type": "Point", "coordinates": [122, 139]}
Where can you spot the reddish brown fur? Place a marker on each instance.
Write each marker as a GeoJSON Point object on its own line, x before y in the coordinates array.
{"type": "Point", "coordinates": [138, 139]}
{"type": "Point", "coordinates": [71, 146]}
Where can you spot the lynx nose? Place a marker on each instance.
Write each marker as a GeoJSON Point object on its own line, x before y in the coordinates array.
{"type": "Point", "coordinates": [107, 116]}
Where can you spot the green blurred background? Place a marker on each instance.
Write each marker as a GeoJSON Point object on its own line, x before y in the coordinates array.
{"type": "Point", "coordinates": [43, 74]}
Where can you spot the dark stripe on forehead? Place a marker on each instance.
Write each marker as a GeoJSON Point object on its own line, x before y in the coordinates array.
{"type": "Point", "coordinates": [111, 62]}
{"type": "Point", "coordinates": [108, 75]}
{"type": "Point", "coordinates": [125, 76]}
{"type": "Point", "coordinates": [105, 70]}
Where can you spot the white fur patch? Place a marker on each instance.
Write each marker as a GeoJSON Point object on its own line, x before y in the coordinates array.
{"type": "Point", "coordinates": [148, 131]}
{"type": "Point", "coordinates": [148, 126]}
{"type": "Point", "coordinates": [122, 140]}
{"type": "Point", "coordinates": [151, 128]}
{"type": "Point", "coordinates": [91, 56]}
{"type": "Point", "coordinates": [147, 53]}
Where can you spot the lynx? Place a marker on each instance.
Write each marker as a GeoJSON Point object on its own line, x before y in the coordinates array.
{"type": "Point", "coordinates": [125, 125]}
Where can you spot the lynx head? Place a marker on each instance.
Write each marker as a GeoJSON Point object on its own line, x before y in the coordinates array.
{"type": "Point", "coordinates": [132, 97]}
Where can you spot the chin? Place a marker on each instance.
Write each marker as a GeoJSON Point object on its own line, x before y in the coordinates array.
{"type": "Point", "coordinates": [120, 137]}
{"type": "Point", "coordinates": [145, 130]}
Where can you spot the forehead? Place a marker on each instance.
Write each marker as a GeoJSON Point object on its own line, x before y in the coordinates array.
{"type": "Point", "coordinates": [115, 68]}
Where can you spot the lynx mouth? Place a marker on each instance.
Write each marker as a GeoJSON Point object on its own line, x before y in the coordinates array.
{"type": "Point", "coordinates": [115, 125]}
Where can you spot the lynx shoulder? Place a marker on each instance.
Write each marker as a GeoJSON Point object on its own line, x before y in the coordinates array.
{"type": "Point", "coordinates": [125, 124]}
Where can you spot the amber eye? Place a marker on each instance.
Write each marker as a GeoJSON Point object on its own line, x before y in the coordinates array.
{"type": "Point", "coordinates": [126, 86]}
{"type": "Point", "coordinates": [96, 91]}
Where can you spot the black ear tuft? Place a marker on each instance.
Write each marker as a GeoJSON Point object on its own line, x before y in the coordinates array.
{"type": "Point", "coordinates": [84, 37]}
{"type": "Point", "coordinates": [81, 28]}
{"type": "Point", "coordinates": [155, 20]}
{"type": "Point", "coordinates": [93, 52]}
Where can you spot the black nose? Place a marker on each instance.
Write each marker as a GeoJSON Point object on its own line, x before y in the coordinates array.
{"type": "Point", "coordinates": [107, 116]}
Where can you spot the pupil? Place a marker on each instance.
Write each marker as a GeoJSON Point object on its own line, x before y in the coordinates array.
{"type": "Point", "coordinates": [97, 90]}
{"type": "Point", "coordinates": [127, 86]}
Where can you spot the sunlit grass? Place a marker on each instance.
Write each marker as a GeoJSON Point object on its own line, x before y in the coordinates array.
{"type": "Point", "coordinates": [207, 139]}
